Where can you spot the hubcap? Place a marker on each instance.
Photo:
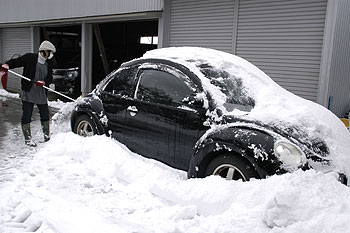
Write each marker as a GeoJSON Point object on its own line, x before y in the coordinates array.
{"type": "Point", "coordinates": [229, 172]}
{"type": "Point", "coordinates": [85, 129]}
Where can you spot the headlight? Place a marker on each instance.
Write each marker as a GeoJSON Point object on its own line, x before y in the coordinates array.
{"type": "Point", "coordinates": [72, 74]}
{"type": "Point", "coordinates": [289, 154]}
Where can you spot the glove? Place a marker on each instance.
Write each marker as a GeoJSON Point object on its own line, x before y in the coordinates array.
{"type": "Point", "coordinates": [4, 68]}
{"type": "Point", "coordinates": [40, 83]}
{"type": "Point", "coordinates": [3, 75]}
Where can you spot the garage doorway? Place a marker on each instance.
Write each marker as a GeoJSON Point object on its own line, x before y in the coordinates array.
{"type": "Point", "coordinates": [121, 41]}
{"type": "Point", "coordinates": [67, 59]}
{"type": "Point", "coordinates": [113, 44]}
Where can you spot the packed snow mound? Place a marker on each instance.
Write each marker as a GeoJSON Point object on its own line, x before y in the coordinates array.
{"type": "Point", "coordinates": [273, 104]}
{"type": "Point", "coordinates": [4, 93]}
{"type": "Point", "coordinates": [77, 184]}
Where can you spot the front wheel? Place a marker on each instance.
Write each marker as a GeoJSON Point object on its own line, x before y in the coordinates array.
{"type": "Point", "coordinates": [84, 126]}
{"type": "Point", "coordinates": [231, 167]}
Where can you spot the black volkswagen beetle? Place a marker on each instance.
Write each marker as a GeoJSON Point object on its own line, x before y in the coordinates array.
{"type": "Point", "coordinates": [210, 113]}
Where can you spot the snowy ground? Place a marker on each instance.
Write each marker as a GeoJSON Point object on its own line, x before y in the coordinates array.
{"type": "Point", "coordinates": [73, 184]}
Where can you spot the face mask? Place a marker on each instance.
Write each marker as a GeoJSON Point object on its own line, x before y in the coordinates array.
{"type": "Point", "coordinates": [51, 55]}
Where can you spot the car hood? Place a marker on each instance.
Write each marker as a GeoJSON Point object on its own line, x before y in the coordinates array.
{"type": "Point", "coordinates": [273, 105]}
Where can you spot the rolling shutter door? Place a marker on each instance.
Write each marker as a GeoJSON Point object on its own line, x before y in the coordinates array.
{"type": "Point", "coordinates": [339, 86]}
{"type": "Point", "coordinates": [15, 41]}
{"type": "Point", "coordinates": [204, 23]}
{"type": "Point", "coordinates": [284, 39]}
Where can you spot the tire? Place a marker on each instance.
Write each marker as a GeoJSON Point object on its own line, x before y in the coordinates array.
{"type": "Point", "coordinates": [231, 167]}
{"type": "Point", "coordinates": [84, 126]}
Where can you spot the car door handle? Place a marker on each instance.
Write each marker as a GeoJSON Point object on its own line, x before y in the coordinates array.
{"type": "Point", "coordinates": [132, 110]}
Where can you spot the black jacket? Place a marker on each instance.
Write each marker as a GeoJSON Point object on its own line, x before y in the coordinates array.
{"type": "Point", "coordinates": [28, 62]}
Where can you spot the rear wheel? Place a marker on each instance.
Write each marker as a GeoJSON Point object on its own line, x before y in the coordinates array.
{"type": "Point", "coordinates": [231, 167]}
{"type": "Point", "coordinates": [84, 126]}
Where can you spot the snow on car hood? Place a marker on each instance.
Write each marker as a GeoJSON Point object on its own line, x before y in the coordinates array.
{"type": "Point", "coordinates": [273, 106]}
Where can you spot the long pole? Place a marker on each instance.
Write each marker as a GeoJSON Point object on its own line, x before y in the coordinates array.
{"type": "Point", "coordinates": [58, 93]}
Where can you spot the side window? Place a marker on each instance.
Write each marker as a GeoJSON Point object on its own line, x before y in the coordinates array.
{"type": "Point", "coordinates": [122, 82]}
{"type": "Point", "coordinates": [161, 87]}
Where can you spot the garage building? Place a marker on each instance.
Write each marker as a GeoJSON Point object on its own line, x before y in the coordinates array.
{"type": "Point", "coordinates": [301, 44]}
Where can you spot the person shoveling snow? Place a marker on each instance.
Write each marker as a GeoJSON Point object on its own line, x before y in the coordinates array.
{"type": "Point", "coordinates": [37, 76]}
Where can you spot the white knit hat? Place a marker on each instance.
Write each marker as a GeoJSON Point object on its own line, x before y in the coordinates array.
{"type": "Point", "coordinates": [47, 45]}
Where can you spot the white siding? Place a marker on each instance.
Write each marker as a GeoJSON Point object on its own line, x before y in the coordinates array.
{"type": "Point", "coordinates": [36, 10]}
{"type": "Point", "coordinates": [15, 41]}
{"type": "Point", "coordinates": [204, 23]}
{"type": "Point", "coordinates": [284, 39]}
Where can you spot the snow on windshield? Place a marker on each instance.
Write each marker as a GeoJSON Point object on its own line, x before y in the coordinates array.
{"type": "Point", "coordinates": [230, 85]}
{"type": "Point", "coordinates": [273, 105]}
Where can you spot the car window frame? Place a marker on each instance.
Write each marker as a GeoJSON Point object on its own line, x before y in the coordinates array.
{"type": "Point", "coordinates": [158, 67]}
{"type": "Point", "coordinates": [112, 75]}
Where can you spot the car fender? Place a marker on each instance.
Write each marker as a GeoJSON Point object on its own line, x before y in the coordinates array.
{"type": "Point", "coordinates": [253, 144]}
{"type": "Point", "coordinates": [94, 109]}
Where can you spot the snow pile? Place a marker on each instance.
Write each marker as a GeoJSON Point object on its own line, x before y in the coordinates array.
{"type": "Point", "coordinates": [61, 120]}
{"type": "Point", "coordinates": [59, 104]}
{"type": "Point", "coordinates": [273, 104]}
{"type": "Point", "coordinates": [95, 184]}
{"type": "Point", "coordinates": [4, 93]}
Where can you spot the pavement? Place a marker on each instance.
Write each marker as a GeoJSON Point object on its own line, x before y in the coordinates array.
{"type": "Point", "coordinates": [10, 117]}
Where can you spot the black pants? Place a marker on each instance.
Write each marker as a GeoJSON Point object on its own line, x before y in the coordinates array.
{"type": "Point", "coordinates": [27, 109]}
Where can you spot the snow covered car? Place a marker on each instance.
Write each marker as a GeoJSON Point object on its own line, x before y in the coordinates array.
{"type": "Point", "coordinates": [212, 113]}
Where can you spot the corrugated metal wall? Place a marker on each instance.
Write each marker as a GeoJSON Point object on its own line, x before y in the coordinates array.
{"type": "Point", "coordinates": [15, 41]}
{"type": "Point", "coordinates": [339, 86]}
{"type": "Point", "coordinates": [34, 10]}
{"type": "Point", "coordinates": [284, 39]}
{"type": "Point", "coordinates": [205, 23]}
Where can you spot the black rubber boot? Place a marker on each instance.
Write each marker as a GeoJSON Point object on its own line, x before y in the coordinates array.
{"type": "Point", "coordinates": [46, 130]}
{"type": "Point", "coordinates": [27, 135]}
